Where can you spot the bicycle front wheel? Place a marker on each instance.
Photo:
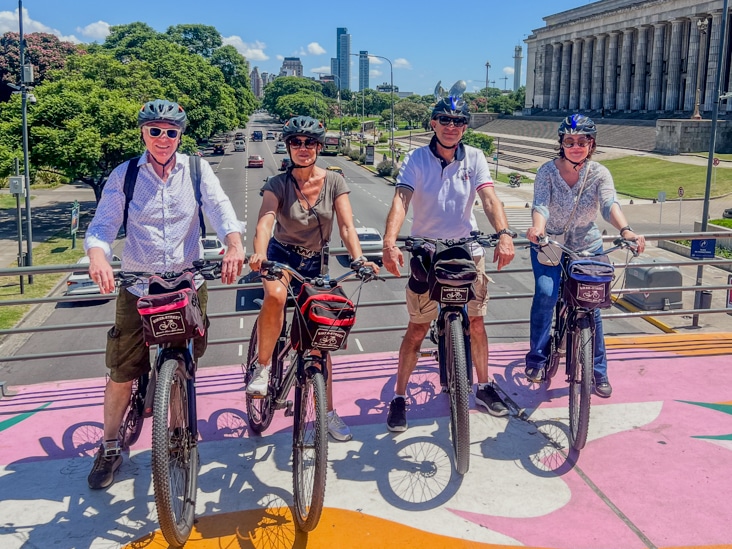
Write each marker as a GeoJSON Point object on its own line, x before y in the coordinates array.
{"type": "Point", "coordinates": [457, 387]}
{"type": "Point", "coordinates": [309, 450]}
{"type": "Point", "coordinates": [580, 382]}
{"type": "Point", "coordinates": [260, 409]}
{"type": "Point", "coordinates": [174, 455]}
{"type": "Point", "coordinates": [129, 431]}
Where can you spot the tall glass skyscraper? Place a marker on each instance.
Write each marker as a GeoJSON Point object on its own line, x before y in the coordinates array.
{"type": "Point", "coordinates": [343, 49]}
{"type": "Point", "coordinates": [363, 70]}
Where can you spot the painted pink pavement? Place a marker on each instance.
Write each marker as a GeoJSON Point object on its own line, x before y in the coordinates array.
{"type": "Point", "coordinates": [653, 474]}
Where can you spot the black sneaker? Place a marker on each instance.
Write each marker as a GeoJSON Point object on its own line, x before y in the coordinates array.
{"type": "Point", "coordinates": [105, 465]}
{"type": "Point", "coordinates": [491, 401]}
{"type": "Point", "coordinates": [396, 420]}
{"type": "Point", "coordinates": [603, 388]}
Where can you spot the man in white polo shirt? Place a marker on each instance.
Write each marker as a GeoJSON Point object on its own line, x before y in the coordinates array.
{"type": "Point", "coordinates": [441, 181]}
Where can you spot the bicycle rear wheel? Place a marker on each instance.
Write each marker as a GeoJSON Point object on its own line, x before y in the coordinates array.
{"type": "Point", "coordinates": [129, 431]}
{"type": "Point", "coordinates": [260, 410]}
{"type": "Point", "coordinates": [580, 381]}
{"type": "Point", "coordinates": [457, 388]}
{"type": "Point", "coordinates": [174, 455]}
{"type": "Point", "coordinates": [309, 449]}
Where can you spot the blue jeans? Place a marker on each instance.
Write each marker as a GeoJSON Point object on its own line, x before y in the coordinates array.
{"type": "Point", "coordinates": [546, 293]}
{"type": "Point", "coordinates": [307, 267]}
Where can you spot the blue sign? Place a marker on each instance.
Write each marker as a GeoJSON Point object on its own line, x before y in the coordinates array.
{"type": "Point", "coordinates": [703, 249]}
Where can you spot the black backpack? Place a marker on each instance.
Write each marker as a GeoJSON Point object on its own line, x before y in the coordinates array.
{"type": "Point", "coordinates": [131, 179]}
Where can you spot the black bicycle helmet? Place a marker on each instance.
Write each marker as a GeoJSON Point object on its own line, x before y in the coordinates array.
{"type": "Point", "coordinates": [451, 106]}
{"type": "Point", "coordinates": [305, 126]}
{"type": "Point", "coordinates": [577, 124]}
{"type": "Point", "coordinates": [161, 110]}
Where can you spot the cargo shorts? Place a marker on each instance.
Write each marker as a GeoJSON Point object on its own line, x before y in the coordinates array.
{"type": "Point", "coordinates": [422, 310]}
{"type": "Point", "coordinates": [127, 356]}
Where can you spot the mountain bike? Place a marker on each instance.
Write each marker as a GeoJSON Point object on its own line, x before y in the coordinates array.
{"type": "Point", "coordinates": [321, 321]}
{"type": "Point", "coordinates": [445, 268]}
{"type": "Point", "coordinates": [171, 320]}
{"type": "Point", "coordinates": [584, 287]}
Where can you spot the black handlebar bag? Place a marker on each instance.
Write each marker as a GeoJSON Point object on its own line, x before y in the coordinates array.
{"type": "Point", "coordinates": [453, 272]}
{"type": "Point", "coordinates": [324, 319]}
{"type": "Point", "coordinates": [171, 311]}
{"type": "Point", "coordinates": [588, 282]}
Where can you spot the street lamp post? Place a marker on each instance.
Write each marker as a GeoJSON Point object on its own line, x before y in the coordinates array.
{"type": "Point", "coordinates": [25, 78]}
{"type": "Point", "coordinates": [391, 83]}
{"type": "Point", "coordinates": [363, 104]}
{"type": "Point", "coordinates": [702, 26]}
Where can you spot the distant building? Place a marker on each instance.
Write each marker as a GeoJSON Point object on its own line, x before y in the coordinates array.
{"type": "Point", "coordinates": [256, 81]}
{"type": "Point", "coordinates": [343, 49]}
{"type": "Point", "coordinates": [363, 70]}
{"type": "Point", "coordinates": [291, 66]}
{"type": "Point", "coordinates": [386, 88]}
{"type": "Point", "coordinates": [517, 58]}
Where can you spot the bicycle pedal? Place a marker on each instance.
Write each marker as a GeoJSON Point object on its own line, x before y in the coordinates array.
{"type": "Point", "coordinates": [288, 409]}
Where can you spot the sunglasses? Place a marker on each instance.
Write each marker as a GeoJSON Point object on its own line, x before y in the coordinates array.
{"type": "Point", "coordinates": [308, 143]}
{"type": "Point", "coordinates": [158, 132]}
{"type": "Point", "coordinates": [581, 143]}
{"type": "Point", "coordinates": [446, 120]}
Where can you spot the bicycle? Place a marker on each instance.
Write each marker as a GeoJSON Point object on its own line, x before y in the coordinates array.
{"type": "Point", "coordinates": [167, 393]}
{"type": "Point", "coordinates": [584, 287]}
{"type": "Point", "coordinates": [449, 280]}
{"type": "Point", "coordinates": [307, 373]}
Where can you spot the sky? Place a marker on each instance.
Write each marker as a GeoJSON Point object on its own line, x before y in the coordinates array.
{"type": "Point", "coordinates": [436, 41]}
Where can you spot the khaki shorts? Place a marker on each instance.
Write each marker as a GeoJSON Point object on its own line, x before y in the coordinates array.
{"type": "Point", "coordinates": [423, 310]}
{"type": "Point", "coordinates": [127, 356]}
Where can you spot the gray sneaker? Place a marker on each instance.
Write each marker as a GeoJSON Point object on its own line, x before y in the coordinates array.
{"type": "Point", "coordinates": [489, 399]}
{"type": "Point", "coordinates": [396, 419]}
{"type": "Point", "coordinates": [105, 465]}
{"type": "Point", "coordinates": [338, 428]}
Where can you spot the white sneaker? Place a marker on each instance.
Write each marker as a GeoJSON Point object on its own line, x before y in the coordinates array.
{"type": "Point", "coordinates": [260, 380]}
{"type": "Point", "coordinates": [337, 428]}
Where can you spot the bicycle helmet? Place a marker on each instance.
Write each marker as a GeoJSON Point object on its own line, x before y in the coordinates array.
{"type": "Point", "coordinates": [161, 110]}
{"type": "Point", "coordinates": [451, 106]}
{"type": "Point", "coordinates": [305, 126]}
{"type": "Point", "coordinates": [577, 124]}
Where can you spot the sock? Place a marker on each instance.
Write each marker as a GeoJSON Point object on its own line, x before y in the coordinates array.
{"type": "Point", "coordinates": [400, 396]}
{"type": "Point", "coordinates": [484, 385]}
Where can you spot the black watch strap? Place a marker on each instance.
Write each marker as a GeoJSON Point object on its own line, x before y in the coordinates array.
{"type": "Point", "coordinates": [509, 232]}
{"type": "Point", "coordinates": [626, 228]}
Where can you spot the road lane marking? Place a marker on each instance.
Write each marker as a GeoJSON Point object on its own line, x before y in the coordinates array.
{"type": "Point", "coordinates": [358, 343]}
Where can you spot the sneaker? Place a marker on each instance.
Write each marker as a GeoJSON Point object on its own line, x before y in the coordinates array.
{"type": "Point", "coordinates": [105, 465]}
{"type": "Point", "coordinates": [535, 374]}
{"type": "Point", "coordinates": [260, 380]}
{"type": "Point", "coordinates": [396, 419]}
{"type": "Point", "coordinates": [489, 398]}
{"type": "Point", "coordinates": [603, 388]}
{"type": "Point", "coordinates": [338, 428]}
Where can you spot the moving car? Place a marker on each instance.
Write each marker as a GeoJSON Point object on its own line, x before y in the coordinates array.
{"type": "Point", "coordinates": [212, 247]}
{"type": "Point", "coordinates": [727, 214]}
{"type": "Point", "coordinates": [80, 283]}
{"type": "Point", "coordinates": [286, 163]}
{"type": "Point", "coordinates": [336, 169]}
{"type": "Point", "coordinates": [281, 148]}
{"type": "Point", "coordinates": [256, 135]}
{"type": "Point", "coordinates": [218, 149]}
{"type": "Point", "coordinates": [239, 145]}
{"type": "Point", "coordinates": [372, 244]}
{"type": "Point", "coordinates": [270, 135]}
{"type": "Point", "coordinates": [255, 161]}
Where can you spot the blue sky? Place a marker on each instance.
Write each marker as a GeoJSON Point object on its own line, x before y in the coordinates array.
{"type": "Point", "coordinates": [444, 41]}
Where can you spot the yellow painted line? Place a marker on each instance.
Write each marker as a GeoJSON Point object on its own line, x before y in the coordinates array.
{"type": "Point", "coordinates": [651, 320]}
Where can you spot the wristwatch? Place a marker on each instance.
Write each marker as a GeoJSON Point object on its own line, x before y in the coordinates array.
{"type": "Point", "coordinates": [626, 228]}
{"type": "Point", "coordinates": [507, 231]}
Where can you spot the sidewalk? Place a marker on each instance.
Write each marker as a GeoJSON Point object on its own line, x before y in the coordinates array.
{"type": "Point", "coordinates": [653, 473]}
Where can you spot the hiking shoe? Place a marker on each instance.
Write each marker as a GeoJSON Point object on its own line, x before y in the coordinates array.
{"type": "Point", "coordinates": [260, 380]}
{"type": "Point", "coordinates": [535, 374]}
{"type": "Point", "coordinates": [396, 419]}
{"type": "Point", "coordinates": [105, 465]}
{"type": "Point", "coordinates": [603, 388]}
{"type": "Point", "coordinates": [338, 428]}
{"type": "Point", "coordinates": [491, 401]}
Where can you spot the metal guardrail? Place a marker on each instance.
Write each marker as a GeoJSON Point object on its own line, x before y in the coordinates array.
{"type": "Point", "coordinates": [15, 272]}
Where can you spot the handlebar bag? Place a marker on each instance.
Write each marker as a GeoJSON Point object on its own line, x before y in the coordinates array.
{"type": "Point", "coordinates": [323, 320]}
{"type": "Point", "coordinates": [588, 282]}
{"type": "Point", "coordinates": [171, 311]}
{"type": "Point", "coordinates": [452, 275]}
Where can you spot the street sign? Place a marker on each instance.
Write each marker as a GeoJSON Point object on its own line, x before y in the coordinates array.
{"type": "Point", "coordinates": [662, 196]}
{"type": "Point", "coordinates": [681, 192]}
{"type": "Point", "coordinates": [715, 161]}
{"type": "Point", "coordinates": [703, 249]}
{"type": "Point", "coordinates": [74, 223]}
{"type": "Point", "coordinates": [16, 184]}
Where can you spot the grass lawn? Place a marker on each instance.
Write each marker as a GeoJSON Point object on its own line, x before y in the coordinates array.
{"type": "Point", "coordinates": [640, 177]}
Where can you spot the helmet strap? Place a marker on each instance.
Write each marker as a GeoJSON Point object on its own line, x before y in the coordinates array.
{"type": "Point", "coordinates": [577, 165]}
{"type": "Point", "coordinates": [152, 157]}
{"type": "Point", "coordinates": [455, 146]}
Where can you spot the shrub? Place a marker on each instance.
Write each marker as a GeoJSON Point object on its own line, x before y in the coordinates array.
{"type": "Point", "coordinates": [383, 168]}
{"type": "Point", "coordinates": [383, 139]}
{"type": "Point", "coordinates": [353, 154]}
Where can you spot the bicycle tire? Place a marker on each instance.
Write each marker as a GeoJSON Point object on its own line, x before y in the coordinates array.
{"type": "Point", "coordinates": [555, 357]}
{"type": "Point", "coordinates": [309, 450]}
{"type": "Point", "coordinates": [580, 382]}
{"type": "Point", "coordinates": [260, 410]}
{"type": "Point", "coordinates": [459, 393]}
{"type": "Point", "coordinates": [174, 455]}
{"type": "Point", "coordinates": [129, 431]}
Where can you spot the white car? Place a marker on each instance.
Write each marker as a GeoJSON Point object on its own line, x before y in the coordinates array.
{"type": "Point", "coordinates": [80, 283]}
{"type": "Point", "coordinates": [213, 248]}
{"type": "Point", "coordinates": [372, 244]}
{"type": "Point", "coordinates": [239, 145]}
{"type": "Point", "coordinates": [280, 148]}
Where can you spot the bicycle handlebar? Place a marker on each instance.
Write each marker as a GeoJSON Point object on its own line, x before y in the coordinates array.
{"type": "Point", "coordinates": [485, 240]}
{"type": "Point", "coordinates": [273, 270]}
{"type": "Point", "coordinates": [209, 270]}
{"type": "Point", "coordinates": [618, 244]}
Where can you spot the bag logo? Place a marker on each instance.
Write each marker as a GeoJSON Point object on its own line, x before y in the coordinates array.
{"type": "Point", "coordinates": [328, 339]}
{"type": "Point", "coordinates": [450, 294]}
{"type": "Point", "coordinates": [168, 324]}
{"type": "Point", "coordinates": [592, 293]}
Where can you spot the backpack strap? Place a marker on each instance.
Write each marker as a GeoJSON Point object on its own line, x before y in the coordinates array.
{"type": "Point", "coordinates": [195, 166]}
{"type": "Point", "coordinates": [129, 186]}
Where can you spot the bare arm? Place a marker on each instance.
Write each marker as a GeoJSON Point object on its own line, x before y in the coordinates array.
{"type": "Point", "coordinates": [263, 232]}
{"type": "Point", "coordinates": [393, 257]}
{"type": "Point", "coordinates": [233, 262]}
{"type": "Point", "coordinates": [618, 220]}
{"type": "Point", "coordinates": [344, 215]}
{"type": "Point", "coordinates": [493, 208]}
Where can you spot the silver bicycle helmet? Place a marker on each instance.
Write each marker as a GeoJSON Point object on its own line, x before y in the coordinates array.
{"type": "Point", "coordinates": [162, 110]}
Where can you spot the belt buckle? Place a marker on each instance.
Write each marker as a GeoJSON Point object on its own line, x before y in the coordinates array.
{"type": "Point", "coordinates": [304, 252]}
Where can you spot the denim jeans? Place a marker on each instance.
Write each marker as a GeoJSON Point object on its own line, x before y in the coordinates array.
{"type": "Point", "coordinates": [307, 267]}
{"type": "Point", "coordinates": [546, 293]}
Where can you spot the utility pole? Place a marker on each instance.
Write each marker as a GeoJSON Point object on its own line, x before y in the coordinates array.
{"type": "Point", "coordinates": [505, 82]}
{"type": "Point", "coordinates": [26, 77]}
{"type": "Point", "coordinates": [487, 66]}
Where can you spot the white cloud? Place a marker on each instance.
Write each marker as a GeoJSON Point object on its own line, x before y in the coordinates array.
{"type": "Point", "coordinates": [95, 31]}
{"type": "Point", "coordinates": [252, 51]}
{"type": "Point", "coordinates": [401, 63]}
{"type": "Point", "coordinates": [315, 49]}
{"type": "Point", "coordinates": [508, 71]}
{"type": "Point", "coordinates": [374, 60]}
{"type": "Point", "coordinates": [9, 23]}
{"type": "Point", "coordinates": [374, 72]}
{"type": "Point", "coordinates": [280, 57]}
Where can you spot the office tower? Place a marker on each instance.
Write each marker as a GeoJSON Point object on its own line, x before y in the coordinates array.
{"type": "Point", "coordinates": [343, 49]}
{"type": "Point", "coordinates": [363, 70]}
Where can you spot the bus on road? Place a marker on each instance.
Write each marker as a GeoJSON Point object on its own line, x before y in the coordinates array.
{"type": "Point", "coordinates": [332, 143]}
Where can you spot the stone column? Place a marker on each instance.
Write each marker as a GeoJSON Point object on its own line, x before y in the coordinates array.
{"type": "Point", "coordinates": [654, 84]}
{"type": "Point", "coordinates": [556, 73]}
{"type": "Point", "coordinates": [567, 47]}
{"type": "Point", "coordinates": [598, 65]}
{"type": "Point", "coordinates": [574, 79]}
{"type": "Point", "coordinates": [626, 58]}
{"type": "Point", "coordinates": [692, 65]}
{"type": "Point", "coordinates": [712, 66]}
{"type": "Point", "coordinates": [538, 100]}
{"type": "Point", "coordinates": [704, 53]}
{"type": "Point", "coordinates": [586, 73]}
{"type": "Point", "coordinates": [638, 95]}
{"type": "Point", "coordinates": [673, 81]}
{"type": "Point", "coordinates": [611, 65]}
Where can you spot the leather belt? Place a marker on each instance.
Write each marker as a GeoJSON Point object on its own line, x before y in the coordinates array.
{"type": "Point", "coordinates": [301, 251]}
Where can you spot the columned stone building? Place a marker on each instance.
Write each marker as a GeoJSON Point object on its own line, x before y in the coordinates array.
{"type": "Point", "coordinates": [629, 56]}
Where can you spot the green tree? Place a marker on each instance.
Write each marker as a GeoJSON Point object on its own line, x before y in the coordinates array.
{"type": "Point", "coordinates": [197, 39]}
{"type": "Point", "coordinates": [235, 69]}
{"type": "Point", "coordinates": [42, 50]}
{"type": "Point", "coordinates": [301, 104]}
{"type": "Point", "coordinates": [288, 85]}
{"type": "Point", "coordinates": [132, 36]}
{"type": "Point", "coordinates": [411, 112]}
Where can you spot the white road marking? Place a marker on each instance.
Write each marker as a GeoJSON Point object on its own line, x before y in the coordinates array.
{"type": "Point", "coordinates": [359, 345]}
{"type": "Point", "coordinates": [241, 349]}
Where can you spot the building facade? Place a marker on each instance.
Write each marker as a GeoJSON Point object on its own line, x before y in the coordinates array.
{"type": "Point", "coordinates": [517, 62]}
{"type": "Point", "coordinates": [256, 81]}
{"type": "Point", "coordinates": [629, 56]}
{"type": "Point", "coordinates": [363, 70]}
{"type": "Point", "coordinates": [291, 66]}
{"type": "Point", "coordinates": [343, 44]}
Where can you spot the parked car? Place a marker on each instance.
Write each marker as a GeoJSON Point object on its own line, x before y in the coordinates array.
{"type": "Point", "coordinates": [80, 283]}
{"type": "Point", "coordinates": [372, 244]}
{"type": "Point", "coordinates": [336, 169]}
{"type": "Point", "coordinates": [280, 148]}
{"type": "Point", "coordinates": [286, 163]}
{"type": "Point", "coordinates": [727, 214]}
{"type": "Point", "coordinates": [255, 161]}
{"type": "Point", "coordinates": [239, 145]}
{"type": "Point", "coordinates": [239, 135]}
{"type": "Point", "coordinates": [219, 149]}
{"type": "Point", "coordinates": [212, 247]}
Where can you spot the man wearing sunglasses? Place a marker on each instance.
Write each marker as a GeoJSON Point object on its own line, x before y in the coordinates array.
{"type": "Point", "coordinates": [162, 235]}
{"type": "Point", "coordinates": [442, 181]}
